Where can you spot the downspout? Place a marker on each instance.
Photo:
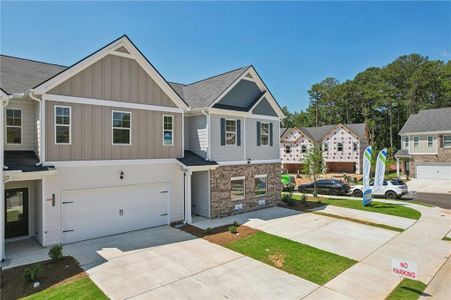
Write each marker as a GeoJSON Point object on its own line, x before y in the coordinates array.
{"type": "Point", "coordinates": [33, 97]}
{"type": "Point", "coordinates": [207, 122]}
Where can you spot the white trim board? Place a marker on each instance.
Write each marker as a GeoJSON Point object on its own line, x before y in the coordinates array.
{"type": "Point", "coordinates": [253, 162]}
{"type": "Point", "coordinates": [114, 104]}
{"type": "Point", "coordinates": [101, 53]}
{"type": "Point", "coordinates": [99, 163]}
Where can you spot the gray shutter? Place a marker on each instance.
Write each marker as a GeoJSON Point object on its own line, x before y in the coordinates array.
{"type": "Point", "coordinates": [223, 141]}
{"type": "Point", "coordinates": [270, 134]}
{"type": "Point", "coordinates": [258, 133]}
{"type": "Point", "coordinates": [238, 132]}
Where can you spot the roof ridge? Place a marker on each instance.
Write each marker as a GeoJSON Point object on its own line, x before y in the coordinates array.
{"type": "Point", "coordinates": [217, 75]}
{"type": "Point", "coordinates": [33, 60]}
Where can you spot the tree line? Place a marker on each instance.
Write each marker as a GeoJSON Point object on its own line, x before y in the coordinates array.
{"type": "Point", "coordinates": [381, 97]}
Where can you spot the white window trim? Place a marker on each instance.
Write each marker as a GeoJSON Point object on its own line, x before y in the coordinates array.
{"type": "Point", "coordinates": [406, 142]}
{"type": "Point", "coordinates": [444, 141]}
{"type": "Point", "coordinates": [416, 144]}
{"type": "Point", "coordinates": [163, 130]}
{"type": "Point", "coordinates": [261, 144]}
{"type": "Point", "coordinates": [266, 185]}
{"type": "Point", "coordinates": [235, 132]}
{"type": "Point", "coordinates": [432, 141]}
{"type": "Point", "coordinates": [14, 126]}
{"type": "Point", "coordinates": [112, 128]}
{"type": "Point", "coordinates": [64, 125]}
{"type": "Point", "coordinates": [244, 187]}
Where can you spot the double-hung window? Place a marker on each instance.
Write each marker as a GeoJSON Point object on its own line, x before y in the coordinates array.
{"type": "Point", "coordinates": [168, 130]}
{"type": "Point", "coordinates": [122, 124]}
{"type": "Point", "coordinates": [447, 141]}
{"type": "Point", "coordinates": [13, 126]}
{"type": "Point", "coordinates": [340, 147]}
{"type": "Point", "coordinates": [326, 147]}
{"type": "Point", "coordinates": [238, 188]}
{"type": "Point", "coordinates": [260, 185]}
{"type": "Point", "coordinates": [303, 148]}
{"type": "Point", "coordinates": [415, 142]}
{"type": "Point", "coordinates": [62, 125]}
{"type": "Point", "coordinates": [264, 134]}
{"type": "Point", "coordinates": [406, 142]}
{"type": "Point", "coordinates": [230, 131]}
{"type": "Point", "coordinates": [430, 141]}
{"type": "Point", "coordinates": [287, 149]}
{"type": "Point", "coordinates": [354, 146]}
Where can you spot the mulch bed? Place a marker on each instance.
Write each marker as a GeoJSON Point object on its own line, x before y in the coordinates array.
{"type": "Point", "coordinates": [299, 206]}
{"type": "Point", "coordinates": [14, 286]}
{"type": "Point", "coordinates": [220, 235]}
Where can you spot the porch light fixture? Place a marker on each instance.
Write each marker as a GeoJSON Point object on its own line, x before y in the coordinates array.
{"type": "Point", "coordinates": [248, 161]}
{"type": "Point", "coordinates": [122, 175]}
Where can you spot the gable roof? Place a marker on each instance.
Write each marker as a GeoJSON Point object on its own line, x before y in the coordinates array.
{"type": "Point", "coordinates": [19, 74]}
{"type": "Point", "coordinates": [430, 120]}
{"type": "Point", "coordinates": [203, 93]}
{"type": "Point", "coordinates": [318, 133]}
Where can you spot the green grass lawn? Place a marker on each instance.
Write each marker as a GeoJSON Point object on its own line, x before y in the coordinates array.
{"type": "Point", "coordinates": [378, 207]}
{"type": "Point", "coordinates": [407, 289]}
{"type": "Point", "coordinates": [310, 263]}
{"type": "Point", "coordinates": [82, 288]}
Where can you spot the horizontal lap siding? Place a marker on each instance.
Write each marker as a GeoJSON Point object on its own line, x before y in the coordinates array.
{"type": "Point", "coordinates": [115, 78]}
{"type": "Point", "coordinates": [92, 135]}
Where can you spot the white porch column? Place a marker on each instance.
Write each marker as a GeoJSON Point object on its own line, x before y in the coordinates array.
{"type": "Point", "coordinates": [397, 167]}
{"type": "Point", "coordinates": [188, 219]}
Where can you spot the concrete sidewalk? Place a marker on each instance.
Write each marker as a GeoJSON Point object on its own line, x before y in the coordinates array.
{"type": "Point", "coordinates": [421, 243]}
{"type": "Point", "coordinates": [440, 286]}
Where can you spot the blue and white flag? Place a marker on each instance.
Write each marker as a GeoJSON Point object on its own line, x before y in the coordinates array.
{"type": "Point", "coordinates": [380, 169]}
{"type": "Point", "coordinates": [366, 176]}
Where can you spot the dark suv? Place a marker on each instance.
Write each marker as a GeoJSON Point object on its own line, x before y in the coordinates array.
{"type": "Point", "coordinates": [325, 186]}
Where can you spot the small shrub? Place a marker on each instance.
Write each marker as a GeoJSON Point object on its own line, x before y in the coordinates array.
{"type": "Point", "coordinates": [315, 193]}
{"type": "Point", "coordinates": [31, 273]}
{"type": "Point", "coordinates": [236, 224]}
{"type": "Point", "coordinates": [288, 199]}
{"type": "Point", "coordinates": [304, 199]}
{"type": "Point", "coordinates": [208, 230]}
{"type": "Point", "coordinates": [233, 229]}
{"type": "Point", "coordinates": [56, 252]}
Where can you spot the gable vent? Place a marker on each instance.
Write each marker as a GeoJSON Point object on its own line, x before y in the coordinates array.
{"type": "Point", "coordinates": [249, 76]}
{"type": "Point", "coordinates": [122, 49]}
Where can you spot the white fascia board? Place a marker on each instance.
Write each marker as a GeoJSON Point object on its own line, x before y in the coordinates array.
{"type": "Point", "coordinates": [226, 112]}
{"type": "Point", "coordinates": [110, 49]}
{"type": "Point", "coordinates": [253, 162]}
{"type": "Point", "coordinates": [18, 175]}
{"type": "Point", "coordinates": [99, 163]}
{"type": "Point", "coordinates": [115, 104]}
{"type": "Point", "coordinates": [425, 132]}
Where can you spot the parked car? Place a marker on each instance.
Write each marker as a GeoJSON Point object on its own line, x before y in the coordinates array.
{"type": "Point", "coordinates": [391, 189]}
{"type": "Point", "coordinates": [288, 182]}
{"type": "Point", "coordinates": [325, 186]}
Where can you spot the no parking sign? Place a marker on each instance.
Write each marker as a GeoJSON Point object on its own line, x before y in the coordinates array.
{"type": "Point", "coordinates": [404, 268]}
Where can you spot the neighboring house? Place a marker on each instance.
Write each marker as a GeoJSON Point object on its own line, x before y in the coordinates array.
{"type": "Point", "coordinates": [107, 145]}
{"type": "Point", "coordinates": [426, 145]}
{"type": "Point", "coordinates": [342, 146]}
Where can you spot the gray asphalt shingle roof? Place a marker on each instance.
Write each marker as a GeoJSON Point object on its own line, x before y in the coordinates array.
{"type": "Point", "coordinates": [17, 75]}
{"type": "Point", "coordinates": [202, 93]}
{"type": "Point", "coordinates": [438, 119]}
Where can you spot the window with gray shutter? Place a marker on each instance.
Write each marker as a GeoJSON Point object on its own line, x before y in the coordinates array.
{"type": "Point", "coordinates": [222, 132]}
{"type": "Point", "coordinates": [258, 134]}
{"type": "Point", "coordinates": [238, 132]}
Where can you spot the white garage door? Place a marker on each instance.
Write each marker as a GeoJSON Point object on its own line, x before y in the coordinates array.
{"type": "Point", "coordinates": [433, 171]}
{"type": "Point", "coordinates": [104, 211]}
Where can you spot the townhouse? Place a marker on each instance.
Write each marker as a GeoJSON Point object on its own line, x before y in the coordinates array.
{"type": "Point", "coordinates": [107, 145]}
{"type": "Point", "coordinates": [342, 146]}
{"type": "Point", "coordinates": [426, 145]}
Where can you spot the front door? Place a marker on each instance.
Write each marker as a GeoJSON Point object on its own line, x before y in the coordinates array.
{"type": "Point", "coordinates": [16, 212]}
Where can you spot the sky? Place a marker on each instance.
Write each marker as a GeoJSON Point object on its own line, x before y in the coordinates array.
{"type": "Point", "coordinates": [291, 44]}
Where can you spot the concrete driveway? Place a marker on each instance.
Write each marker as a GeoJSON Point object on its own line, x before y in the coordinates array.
{"type": "Point", "coordinates": [437, 186]}
{"type": "Point", "coordinates": [164, 262]}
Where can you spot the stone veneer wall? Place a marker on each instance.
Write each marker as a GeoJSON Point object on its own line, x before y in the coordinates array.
{"type": "Point", "coordinates": [220, 188]}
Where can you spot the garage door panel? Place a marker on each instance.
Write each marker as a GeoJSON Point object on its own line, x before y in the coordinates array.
{"type": "Point", "coordinates": [433, 171]}
{"type": "Point", "coordinates": [105, 211]}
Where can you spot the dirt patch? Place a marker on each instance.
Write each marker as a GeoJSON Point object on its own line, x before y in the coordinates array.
{"type": "Point", "coordinates": [299, 206]}
{"type": "Point", "coordinates": [220, 235]}
{"type": "Point", "coordinates": [277, 259]}
{"type": "Point", "coordinates": [14, 286]}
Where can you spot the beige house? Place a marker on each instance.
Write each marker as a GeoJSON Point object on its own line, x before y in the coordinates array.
{"type": "Point", "coordinates": [107, 145]}
{"type": "Point", "coordinates": [426, 145]}
{"type": "Point", "coordinates": [342, 146]}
